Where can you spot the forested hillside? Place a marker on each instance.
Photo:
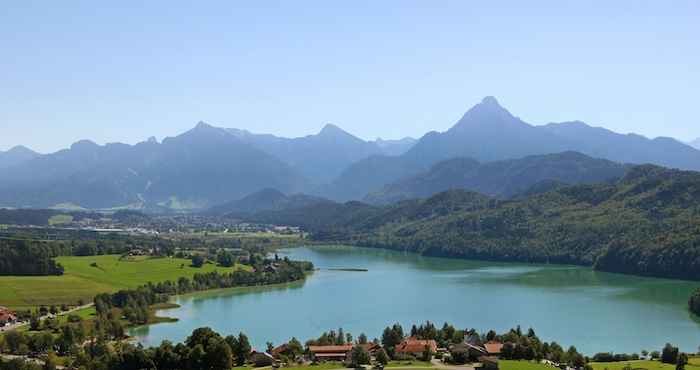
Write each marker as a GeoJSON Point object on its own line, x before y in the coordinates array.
{"type": "Point", "coordinates": [647, 223]}
{"type": "Point", "coordinates": [503, 179]}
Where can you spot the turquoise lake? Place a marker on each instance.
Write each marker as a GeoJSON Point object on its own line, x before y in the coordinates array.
{"type": "Point", "coordinates": [592, 310]}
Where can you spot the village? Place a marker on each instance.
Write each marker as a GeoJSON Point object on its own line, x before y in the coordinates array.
{"type": "Point", "coordinates": [410, 350]}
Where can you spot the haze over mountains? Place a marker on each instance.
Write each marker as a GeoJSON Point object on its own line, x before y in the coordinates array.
{"type": "Point", "coordinates": [16, 156]}
{"type": "Point", "coordinates": [695, 143]}
{"type": "Point", "coordinates": [207, 165]}
{"type": "Point", "coordinates": [323, 156]}
{"type": "Point", "coordinates": [503, 179]}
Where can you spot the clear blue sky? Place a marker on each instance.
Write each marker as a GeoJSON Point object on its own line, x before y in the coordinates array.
{"type": "Point", "coordinates": [129, 70]}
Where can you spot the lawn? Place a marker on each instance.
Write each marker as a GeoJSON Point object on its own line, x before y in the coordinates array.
{"type": "Point", "coordinates": [82, 280]}
{"type": "Point", "coordinates": [641, 364]}
{"type": "Point", "coordinates": [521, 365]}
{"type": "Point", "coordinates": [408, 364]}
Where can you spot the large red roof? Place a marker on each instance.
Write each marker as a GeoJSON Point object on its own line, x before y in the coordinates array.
{"type": "Point", "coordinates": [412, 345]}
{"type": "Point", "coordinates": [493, 347]}
{"type": "Point", "coordinates": [331, 349]}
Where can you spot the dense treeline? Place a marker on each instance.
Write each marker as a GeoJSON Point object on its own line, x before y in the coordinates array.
{"type": "Point", "coordinates": [134, 303]}
{"type": "Point", "coordinates": [21, 257]}
{"type": "Point", "coordinates": [647, 223]}
{"type": "Point", "coordinates": [93, 347]}
{"type": "Point", "coordinates": [694, 302]}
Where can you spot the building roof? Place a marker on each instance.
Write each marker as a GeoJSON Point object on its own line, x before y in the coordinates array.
{"type": "Point", "coordinates": [331, 349]}
{"type": "Point", "coordinates": [7, 316]}
{"type": "Point", "coordinates": [331, 354]}
{"type": "Point", "coordinates": [370, 347]}
{"type": "Point", "coordinates": [412, 345]}
{"type": "Point", "coordinates": [493, 347]}
{"type": "Point", "coordinates": [280, 349]}
{"type": "Point", "coordinates": [468, 346]}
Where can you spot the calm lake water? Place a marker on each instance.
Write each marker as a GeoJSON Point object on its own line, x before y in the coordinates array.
{"type": "Point", "coordinates": [592, 310]}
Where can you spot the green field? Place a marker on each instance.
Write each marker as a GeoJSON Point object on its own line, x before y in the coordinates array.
{"type": "Point", "coordinates": [60, 219]}
{"type": "Point", "coordinates": [83, 281]}
{"type": "Point", "coordinates": [648, 365]}
{"type": "Point", "coordinates": [521, 365]}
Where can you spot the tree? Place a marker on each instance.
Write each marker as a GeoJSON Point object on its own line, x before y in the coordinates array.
{"type": "Point", "coordinates": [694, 302]}
{"type": "Point", "coordinates": [49, 363]}
{"type": "Point", "coordinates": [669, 355]}
{"type": "Point", "coordinates": [359, 356]}
{"type": "Point", "coordinates": [201, 336]}
{"type": "Point", "coordinates": [491, 335]}
{"type": "Point", "coordinates": [295, 348]}
{"type": "Point", "coordinates": [242, 349]}
{"type": "Point", "coordinates": [382, 357]}
{"type": "Point", "coordinates": [362, 339]}
{"type": "Point", "coordinates": [682, 361]}
{"type": "Point", "coordinates": [14, 341]}
{"type": "Point", "coordinates": [225, 258]}
{"type": "Point", "coordinates": [340, 340]}
{"type": "Point", "coordinates": [219, 355]}
{"type": "Point", "coordinates": [427, 353]}
{"type": "Point", "coordinates": [197, 260]}
{"type": "Point", "coordinates": [34, 322]}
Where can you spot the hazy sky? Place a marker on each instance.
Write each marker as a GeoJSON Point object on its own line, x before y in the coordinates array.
{"type": "Point", "coordinates": [125, 71]}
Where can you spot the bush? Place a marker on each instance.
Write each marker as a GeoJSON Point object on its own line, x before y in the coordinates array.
{"type": "Point", "coordinates": [197, 261]}
{"type": "Point", "coordinates": [669, 355]}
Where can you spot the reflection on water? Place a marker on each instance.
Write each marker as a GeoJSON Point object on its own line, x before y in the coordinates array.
{"type": "Point", "coordinates": [573, 305]}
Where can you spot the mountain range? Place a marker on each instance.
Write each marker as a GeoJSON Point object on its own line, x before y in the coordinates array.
{"type": "Point", "coordinates": [321, 157]}
{"type": "Point", "coordinates": [199, 168]}
{"type": "Point", "coordinates": [16, 155]}
{"type": "Point", "coordinates": [208, 165]}
{"type": "Point", "coordinates": [488, 132]}
{"type": "Point", "coordinates": [503, 179]}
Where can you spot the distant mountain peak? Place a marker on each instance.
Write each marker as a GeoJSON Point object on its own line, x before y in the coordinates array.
{"type": "Point", "coordinates": [84, 144]}
{"type": "Point", "coordinates": [201, 125]}
{"type": "Point", "coordinates": [331, 129]}
{"type": "Point", "coordinates": [20, 149]}
{"type": "Point", "coordinates": [488, 113]}
{"type": "Point", "coordinates": [490, 100]}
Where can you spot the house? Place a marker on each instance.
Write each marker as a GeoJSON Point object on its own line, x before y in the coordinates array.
{"type": "Point", "coordinates": [466, 352]}
{"type": "Point", "coordinates": [371, 348]}
{"type": "Point", "coordinates": [493, 348]}
{"type": "Point", "coordinates": [330, 353]}
{"type": "Point", "coordinates": [279, 350]}
{"type": "Point", "coordinates": [7, 316]}
{"type": "Point", "coordinates": [415, 347]}
{"type": "Point", "coordinates": [261, 359]}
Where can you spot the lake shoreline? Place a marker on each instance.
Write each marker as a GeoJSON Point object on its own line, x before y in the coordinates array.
{"type": "Point", "coordinates": [611, 310]}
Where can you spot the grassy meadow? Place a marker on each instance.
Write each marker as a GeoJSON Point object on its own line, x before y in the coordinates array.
{"type": "Point", "coordinates": [85, 277]}
{"type": "Point", "coordinates": [635, 365]}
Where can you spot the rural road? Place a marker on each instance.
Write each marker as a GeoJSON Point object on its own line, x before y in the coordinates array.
{"type": "Point", "coordinates": [64, 313]}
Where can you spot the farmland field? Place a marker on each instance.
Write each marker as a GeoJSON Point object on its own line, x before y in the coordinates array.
{"type": "Point", "coordinates": [87, 276]}
{"type": "Point", "coordinates": [635, 365]}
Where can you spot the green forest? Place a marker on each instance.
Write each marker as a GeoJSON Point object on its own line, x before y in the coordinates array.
{"type": "Point", "coordinates": [646, 223]}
